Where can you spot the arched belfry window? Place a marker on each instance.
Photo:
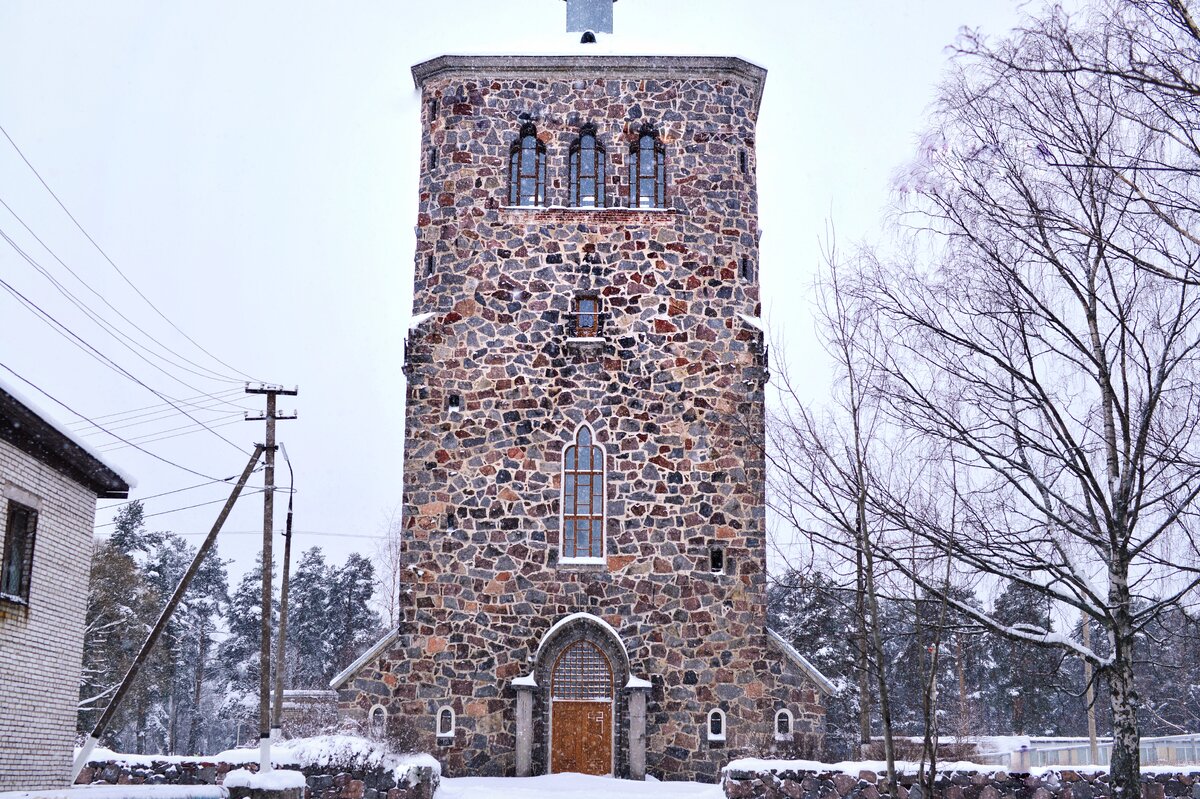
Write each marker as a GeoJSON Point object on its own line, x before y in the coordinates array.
{"type": "Point", "coordinates": [583, 498]}
{"type": "Point", "coordinates": [647, 171]}
{"type": "Point", "coordinates": [527, 169]}
{"type": "Point", "coordinates": [587, 170]}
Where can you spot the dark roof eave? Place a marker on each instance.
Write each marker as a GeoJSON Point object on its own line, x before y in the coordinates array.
{"type": "Point", "coordinates": [33, 435]}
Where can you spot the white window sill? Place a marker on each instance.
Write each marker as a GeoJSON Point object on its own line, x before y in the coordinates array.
{"type": "Point", "coordinates": [712, 737]}
{"type": "Point", "coordinates": [583, 561]}
{"type": "Point", "coordinates": [585, 341]}
{"type": "Point", "coordinates": [782, 738]}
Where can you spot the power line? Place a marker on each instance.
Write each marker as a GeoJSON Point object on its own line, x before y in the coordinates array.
{"type": "Point", "coordinates": [160, 407]}
{"type": "Point", "coordinates": [104, 359]}
{"type": "Point", "coordinates": [211, 373]}
{"type": "Point", "coordinates": [177, 510]}
{"type": "Point", "coordinates": [117, 335]}
{"type": "Point", "coordinates": [150, 438]}
{"type": "Point", "coordinates": [69, 409]}
{"type": "Point", "coordinates": [100, 250]}
{"type": "Point", "coordinates": [174, 491]}
{"type": "Point", "coordinates": [125, 425]}
{"type": "Point", "coordinates": [158, 416]}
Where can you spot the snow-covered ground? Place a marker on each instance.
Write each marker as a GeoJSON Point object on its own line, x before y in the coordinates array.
{"type": "Point", "coordinates": [571, 786]}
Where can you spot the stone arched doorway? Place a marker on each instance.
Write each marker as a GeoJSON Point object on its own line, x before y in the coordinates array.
{"type": "Point", "coordinates": [582, 711]}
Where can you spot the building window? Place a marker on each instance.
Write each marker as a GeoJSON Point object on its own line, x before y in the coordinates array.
{"type": "Point", "coordinates": [583, 498]}
{"type": "Point", "coordinates": [745, 270]}
{"type": "Point", "coordinates": [445, 722]}
{"type": "Point", "coordinates": [783, 725]}
{"type": "Point", "coordinates": [378, 720]}
{"type": "Point", "coordinates": [527, 169]}
{"type": "Point", "coordinates": [433, 158]}
{"type": "Point", "coordinates": [716, 560]}
{"type": "Point", "coordinates": [587, 315]}
{"type": "Point", "coordinates": [647, 171]}
{"type": "Point", "coordinates": [744, 164]}
{"type": "Point", "coordinates": [716, 725]}
{"type": "Point", "coordinates": [454, 403]}
{"type": "Point", "coordinates": [17, 566]}
{"type": "Point", "coordinates": [587, 170]}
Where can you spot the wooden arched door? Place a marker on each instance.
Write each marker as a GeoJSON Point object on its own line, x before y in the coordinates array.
{"type": "Point", "coordinates": [581, 711]}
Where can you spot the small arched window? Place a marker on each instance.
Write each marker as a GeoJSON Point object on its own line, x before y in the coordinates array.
{"type": "Point", "coordinates": [527, 169]}
{"type": "Point", "coordinates": [783, 725]}
{"type": "Point", "coordinates": [445, 722]}
{"type": "Point", "coordinates": [716, 724]}
{"type": "Point", "coordinates": [587, 170]}
{"type": "Point", "coordinates": [647, 171]}
{"type": "Point", "coordinates": [583, 498]}
{"type": "Point", "coordinates": [377, 719]}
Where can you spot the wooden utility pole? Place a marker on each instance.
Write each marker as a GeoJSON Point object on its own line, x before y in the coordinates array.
{"type": "Point", "coordinates": [160, 625]}
{"type": "Point", "coordinates": [264, 662]}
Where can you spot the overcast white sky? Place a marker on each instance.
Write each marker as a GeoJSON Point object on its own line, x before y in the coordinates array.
{"type": "Point", "coordinates": [251, 168]}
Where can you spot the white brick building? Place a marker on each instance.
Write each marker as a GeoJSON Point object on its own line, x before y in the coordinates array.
{"type": "Point", "coordinates": [48, 490]}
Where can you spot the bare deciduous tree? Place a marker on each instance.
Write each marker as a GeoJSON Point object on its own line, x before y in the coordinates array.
{"type": "Point", "coordinates": [1043, 332]}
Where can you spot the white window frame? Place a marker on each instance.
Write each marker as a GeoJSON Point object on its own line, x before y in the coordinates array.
{"type": "Point", "coordinates": [784, 736]}
{"type": "Point", "coordinates": [381, 729]}
{"type": "Point", "coordinates": [716, 712]}
{"type": "Point", "coordinates": [562, 500]}
{"type": "Point", "coordinates": [437, 720]}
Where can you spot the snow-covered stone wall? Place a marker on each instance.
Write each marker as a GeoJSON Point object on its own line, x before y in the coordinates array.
{"type": "Point", "coordinates": [41, 640]}
{"type": "Point", "coordinates": [321, 781]}
{"type": "Point", "coordinates": [765, 779]}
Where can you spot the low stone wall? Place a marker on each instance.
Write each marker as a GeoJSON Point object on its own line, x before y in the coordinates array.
{"type": "Point", "coordinates": [766, 782]}
{"type": "Point", "coordinates": [323, 782]}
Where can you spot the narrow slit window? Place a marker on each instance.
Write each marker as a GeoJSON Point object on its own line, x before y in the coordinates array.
{"type": "Point", "coordinates": [445, 722]}
{"type": "Point", "coordinates": [433, 158]}
{"type": "Point", "coordinates": [454, 403]}
{"type": "Point", "coordinates": [433, 107]}
{"type": "Point", "coordinates": [745, 269]}
{"type": "Point", "coordinates": [429, 264]}
{"type": "Point", "coordinates": [783, 724]}
{"type": "Point", "coordinates": [716, 560]}
{"type": "Point", "coordinates": [744, 162]}
{"type": "Point", "coordinates": [527, 169]}
{"type": "Point", "coordinates": [586, 170]}
{"type": "Point", "coordinates": [716, 725]}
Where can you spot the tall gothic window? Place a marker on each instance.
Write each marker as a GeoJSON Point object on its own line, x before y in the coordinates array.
{"type": "Point", "coordinates": [587, 170]}
{"type": "Point", "coordinates": [527, 169]}
{"type": "Point", "coordinates": [583, 497]}
{"type": "Point", "coordinates": [647, 171]}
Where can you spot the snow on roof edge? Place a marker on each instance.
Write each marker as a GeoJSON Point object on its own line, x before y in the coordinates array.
{"type": "Point", "coordinates": [363, 659]}
{"type": "Point", "coordinates": [37, 411]}
{"type": "Point", "coordinates": [820, 679]}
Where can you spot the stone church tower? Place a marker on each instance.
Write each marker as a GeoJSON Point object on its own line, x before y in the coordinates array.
{"type": "Point", "coordinates": [584, 522]}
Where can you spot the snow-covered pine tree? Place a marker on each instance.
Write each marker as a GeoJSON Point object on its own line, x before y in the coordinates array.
{"type": "Point", "coordinates": [354, 625]}
{"type": "Point", "coordinates": [310, 645]}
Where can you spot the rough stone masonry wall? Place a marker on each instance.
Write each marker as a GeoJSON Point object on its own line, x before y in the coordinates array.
{"type": "Point", "coordinates": [785, 783]}
{"type": "Point", "coordinates": [674, 395]}
{"type": "Point", "coordinates": [41, 643]}
{"type": "Point", "coordinates": [323, 782]}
